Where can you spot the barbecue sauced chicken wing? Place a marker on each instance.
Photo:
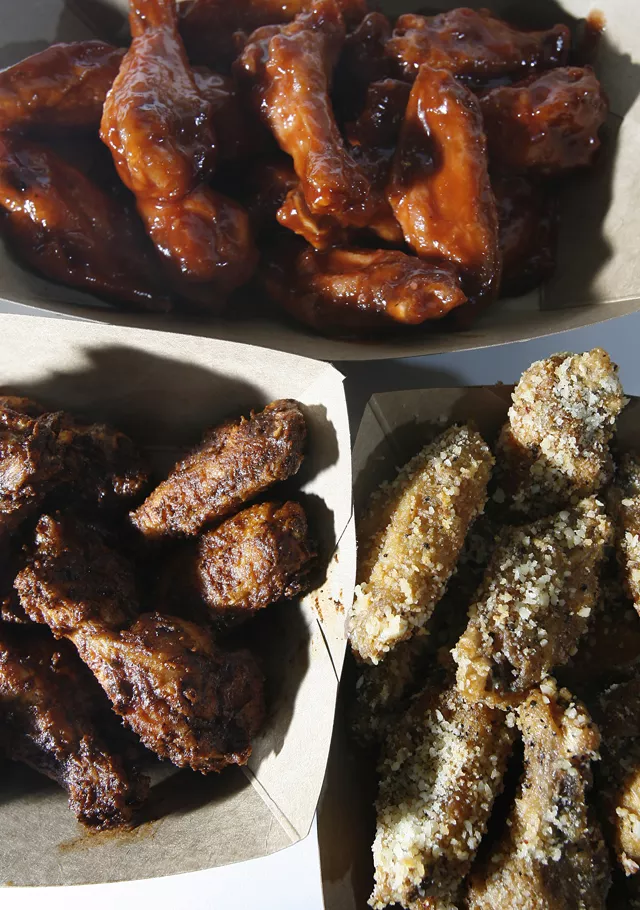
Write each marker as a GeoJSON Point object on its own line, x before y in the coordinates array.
{"type": "Point", "coordinates": [236, 133]}
{"type": "Point", "coordinates": [554, 449]}
{"type": "Point", "coordinates": [442, 768]}
{"type": "Point", "coordinates": [439, 188]}
{"type": "Point", "coordinates": [185, 698]}
{"type": "Point", "coordinates": [475, 46]}
{"type": "Point", "coordinates": [552, 855]}
{"type": "Point", "coordinates": [61, 87]}
{"type": "Point", "coordinates": [547, 124]}
{"type": "Point", "coordinates": [235, 462]}
{"type": "Point", "coordinates": [624, 501]}
{"type": "Point", "coordinates": [411, 538]}
{"type": "Point", "coordinates": [362, 62]}
{"type": "Point", "coordinates": [527, 219]}
{"type": "Point", "coordinates": [11, 561]}
{"type": "Point", "coordinates": [158, 126]}
{"type": "Point", "coordinates": [71, 231]}
{"type": "Point", "coordinates": [257, 557]}
{"type": "Point", "coordinates": [287, 71]}
{"type": "Point", "coordinates": [49, 710]}
{"type": "Point", "coordinates": [534, 604]}
{"type": "Point", "coordinates": [340, 291]}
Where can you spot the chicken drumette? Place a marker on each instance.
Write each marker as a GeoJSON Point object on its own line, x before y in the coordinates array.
{"type": "Point", "coordinates": [187, 700]}
{"type": "Point", "coordinates": [49, 710]}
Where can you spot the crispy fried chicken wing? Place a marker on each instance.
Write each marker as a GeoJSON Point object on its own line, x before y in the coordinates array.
{"type": "Point", "coordinates": [48, 707]}
{"type": "Point", "coordinates": [31, 465]}
{"type": "Point", "coordinates": [618, 715]}
{"type": "Point", "coordinates": [234, 462]}
{"type": "Point", "coordinates": [527, 219]}
{"type": "Point", "coordinates": [439, 189]}
{"type": "Point", "coordinates": [341, 291]}
{"type": "Point", "coordinates": [552, 855]}
{"type": "Point", "coordinates": [534, 604]}
{"type": "Point", "coordinates": [475, 45]}
{"type": "Point", "coordinates": [186, 699]}
{"type": "Point", "coordinates": [624, 502]}
{"type": "Point", "coordinates": [71, 231]}
{"type": "Point", "coordinates": [257, 557]}
{"type": "Point", "coordinates": [442, 768]}
{"type": "Point", "coordinates": [411, 538]}
{"type": "Point", "coordinates": [287, 70]}
{"type": "Point", "coordinates": [155, 121]}
{"type": "Point", "coordinates": [554, 449]}
{"type": "Point", "coordinates": [547, 124]}
{"type": "Point", "coordinates": [63, 86]}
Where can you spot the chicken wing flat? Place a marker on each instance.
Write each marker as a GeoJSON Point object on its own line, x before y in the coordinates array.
{"type": "Point", "coordinates": [475, 46]}
{"type": "Point", "coordinates": [547, 124]}
{"type": "Point", "coordinates": [625, 505]}
{"type": "Point", "coordinates": [287, 70]}
{"type": "Point", "coordinates": [71, 231]}
{"type": "Point", "coordinates": [527, 219]}
{"type": "Point", "coordinates": [186, 699]}
{"type": "Point", "coordinates": [411, 538]}
{"type": "Point", "coordinates": [31, 465]}
{"type": "Point", "coordinates": [155, 121]}
{"type": "Point", "coordinates": [205, 241]}
{"type": "Point", "coordinates": [618, 715]}
{"type": "Point", "coordinates": [48, 707]}
{"type": "Point", "coordinates": [554, 449]}
{"type": "Point", "coordinates": [552, 856]}
{"type": "Point", "coordinates": [340, 291]}
{"type": "Point", "coordinates": [63, 86]}
{"type": "Point", "coordinates": [439, 188]}
{"type": "Point", "coordinates": [235, 462]}
{"type": "Point", "coordinates": [257, 557]}
{"type": "Point", "coordinates": [534, 604]}
{"type": "Point", "coordinates": [443, 767]}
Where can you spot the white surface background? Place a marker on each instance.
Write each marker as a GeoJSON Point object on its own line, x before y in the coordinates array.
{"type": "Point", "coordinates": [290, 880]}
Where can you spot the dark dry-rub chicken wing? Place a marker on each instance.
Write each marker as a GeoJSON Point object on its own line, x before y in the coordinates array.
{"type": "Point", "coordinates": [49, 705]}
{"type": "Point", "coordinates": [31, 464]}
{"type": "Point", "coordinates": [288, 72]}
{"type": "Point", "coordinates": [254, 559]}
{"type": "Point", "coordinates": [548, 123]}
{"type": "Point", "coordinates": [474, 45]}
{"type": "Point", "coordinates": [71, 231]}
{"type": "Point", "coordinates": [439, 189]}
{"type": "Point", "coordinates": [552, 855]}
{"type": "Point", "coordinates": [235, 462]}
{"type": "Point", "coordinates": [441, 771]}
{"type": "Point", "coordinates": [63, 86]}
{"type": "Point", "coordinates": [527, 219]}
{"type": "Point", "coordinates": [534, 604]}
{"type": "Point", "coordinates": [186, 699]}
{"type": "Point", "coordinates": [155, 121]}
{"type": "Point", "coordinates": [340, 291]}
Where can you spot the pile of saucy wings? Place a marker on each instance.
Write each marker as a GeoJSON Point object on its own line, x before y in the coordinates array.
{"type": "Point", "coordinates": [360, 172]}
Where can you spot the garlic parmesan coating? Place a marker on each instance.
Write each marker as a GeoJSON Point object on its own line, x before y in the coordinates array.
{"type": "Point", "coordinates": [554, 448]}
{"type": "Point", "coordinates": [552, 855]}
{"type": "Point", "coordinates": [411, 538]}
{"type": "Point", "coordinates": [533, 605]}
{"type": "Point", "coordinates": [625, 506]}
{"type": "Point", "coordinates": [443, 767]}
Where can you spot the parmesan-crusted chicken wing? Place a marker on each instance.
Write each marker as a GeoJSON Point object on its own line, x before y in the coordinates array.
{"type": "Point", "coordinates": [48, 708]}
{"type": "Point", "coordinates": [552, 855]}
{"type": "Point", "coordinates": [234, 462]}
{"type": "Point", "coordinates": [475, 46]}
{"type": "Point", "coordinates": [442, 768]}
{"type": "Point", "coordinates": [534, 604]}
{"type": "Point", "coordinates": [63, 86]}
{"type": "Point", "coordinates": [411, 538]}
{"type": "Point", "coordinates": [257, 557]}
{"type": "Point", "coordinates": [187, 700]}
{"type": "Point", "coordinates": [554, 449]}
{"type": "Point", "coordinates": [625, 504]}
